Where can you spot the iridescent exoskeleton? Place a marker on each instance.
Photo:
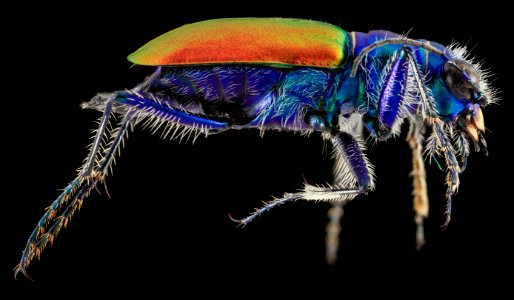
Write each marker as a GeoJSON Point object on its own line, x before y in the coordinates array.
{"type": "Point", "coordinates": [300, 76]}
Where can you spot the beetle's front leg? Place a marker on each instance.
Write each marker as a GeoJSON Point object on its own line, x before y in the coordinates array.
{"type": "Point", "coordinates": [439, 142]}
{"type": "Point", "coordinates": [418, 174]}
{"type": "Point", "coordinates": [452, 164]}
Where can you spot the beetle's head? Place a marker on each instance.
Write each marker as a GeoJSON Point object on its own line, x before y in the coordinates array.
{"type": "Point", "coordinates": [463, 82]}
{"type": "Point", "coordinates": [462, 92]}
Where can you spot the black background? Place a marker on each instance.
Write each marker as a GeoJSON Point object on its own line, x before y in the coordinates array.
{"type": "Point", "coordinates": [166, 229]}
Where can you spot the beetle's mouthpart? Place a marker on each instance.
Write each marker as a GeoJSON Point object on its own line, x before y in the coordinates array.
{"type": "Point", "coordinates": [475, 125]}
{"type": "Point", "coordinates": [475, 128]}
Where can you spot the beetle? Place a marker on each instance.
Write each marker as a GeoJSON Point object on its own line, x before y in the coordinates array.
{"type": "Point", "coordinates": [299, 76]}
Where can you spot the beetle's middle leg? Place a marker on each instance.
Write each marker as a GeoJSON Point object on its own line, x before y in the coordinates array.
{"type": "Point", "coordinates": [353, 175]}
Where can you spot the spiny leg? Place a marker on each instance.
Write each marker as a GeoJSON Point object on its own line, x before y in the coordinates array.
{"type": "Point", "coordinates": [343, 176]}
{"type": "Point", "coordinates": [426, 107]}
{"type": "Point", "coordinates": [462, 148]}
{"type": "Point", "coordinates": [355, 173]}
{"type": "Point", "coordinates": [309, 192]}
{"type": "Point", "coordinates": [134, 105]}
{"type": "Point", "coordinates": [452, 165]}
{"type": "Point", "coordinates": [78, 190]}
{"type": "Point", "coordinates": [419, 183]}
{"type": "Point", "coordinates": [89, 176]}
{"type": "Point", "coordinates": [397, 100]}
{"type": "Point", "coordinates": [98, 175]}
{"type": "Point", "coordinates": [83, 179]}
{"type": "Point", "coordinates": [151, 109]}
{"type": "Point", "coordinates": [439, 140]}
{"type": "Point", "coordinates": [179, 123]}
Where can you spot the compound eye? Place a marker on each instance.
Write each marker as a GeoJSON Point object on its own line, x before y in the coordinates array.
{"type": "Point", "coordinates": [457, 81]}
{"type": "Point", "coordinates": [469, 71]}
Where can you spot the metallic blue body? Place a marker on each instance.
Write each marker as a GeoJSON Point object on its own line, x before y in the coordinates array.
{"type": "Point", "coordinates": [266, 97]}
{"type": "Point", "coordinates": [384, 79]}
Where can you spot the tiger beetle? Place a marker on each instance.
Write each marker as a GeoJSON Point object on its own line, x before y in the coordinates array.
{"type": "Point", "coordinates": [298, 76]}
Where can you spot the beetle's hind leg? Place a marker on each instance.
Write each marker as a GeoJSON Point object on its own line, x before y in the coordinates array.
{"type": "Point", "coordinates": [155, 113]}
{"type": "Point", "coordinates": [38, 239]}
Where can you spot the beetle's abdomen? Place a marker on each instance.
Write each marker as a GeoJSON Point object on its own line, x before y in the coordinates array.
{"type": "Point", "coordinates": [237, 94]}
{"type": "Point", "coordinates": [247, 96]}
